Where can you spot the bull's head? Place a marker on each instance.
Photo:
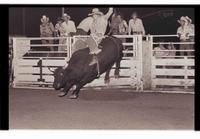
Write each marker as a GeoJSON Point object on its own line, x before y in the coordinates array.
{"type": "Point", "coordinates": [59, 78]}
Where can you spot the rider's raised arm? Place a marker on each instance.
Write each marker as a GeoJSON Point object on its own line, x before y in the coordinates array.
{"type": "Point", "coordinates": [108, 14]}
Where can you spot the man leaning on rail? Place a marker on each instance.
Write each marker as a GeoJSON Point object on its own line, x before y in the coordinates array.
{"type": "Point", "coordinates": [184, 32]}
{"type": "Point", "coordinates": [46, 30]}
{"type": "Point", "coordinates": [135, 25]}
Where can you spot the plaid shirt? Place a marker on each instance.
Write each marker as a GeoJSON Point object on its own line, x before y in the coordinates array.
{"type": "Point", "coordinates": [184, 32]}
{"type": "Point", "coordinates": [46, 30]}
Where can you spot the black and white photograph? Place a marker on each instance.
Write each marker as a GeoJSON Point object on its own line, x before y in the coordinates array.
{"type": "Point", "coordinates": [101, 67]}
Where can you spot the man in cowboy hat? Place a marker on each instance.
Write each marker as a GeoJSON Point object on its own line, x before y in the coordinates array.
{"type": "Point", "coordinates": [68, 26]}
{"type": "Point", "coordinates": [67, 29]}
{"type": "Point", "coordinates": [135, 25]}
{"type": "Point", "coordinates": [97, 29]}
{"type": "Point", "coordinates": [184, 31]}
{"type": "Point", "coordinates": [192, 31]}
{"type": "Point", "coordinates": [190, 23]}
{"type": "Point", "coordinates": [46, 30]}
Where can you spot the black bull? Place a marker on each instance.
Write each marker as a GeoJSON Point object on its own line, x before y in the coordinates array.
{"type": "Point", "coordinates": [78, 71]}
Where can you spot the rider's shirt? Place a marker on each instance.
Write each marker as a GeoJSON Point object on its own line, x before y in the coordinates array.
{"type": "Point", "coordinates": [86, 24]}
{"type": "Point", "coordinates": [99, 25]}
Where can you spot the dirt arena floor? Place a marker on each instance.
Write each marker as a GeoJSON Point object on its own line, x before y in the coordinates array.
{"type": "Point", "coordinates": [100, 109]}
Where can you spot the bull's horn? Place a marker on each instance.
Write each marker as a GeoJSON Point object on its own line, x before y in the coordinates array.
{"type": "Point", "coordinates": [64, 67]}
{"type": "Point", "coordinates": [51, 70]}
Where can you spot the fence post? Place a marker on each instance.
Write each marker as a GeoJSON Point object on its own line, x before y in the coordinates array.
{"type": "Point", "coordinates": [139, 56]}
{"type": "Point", "coordinates": [146, 63]}
{"type": "Point", "coordinates": [14, 61]}
{"type": "Point", "coordinates": [185, 76]}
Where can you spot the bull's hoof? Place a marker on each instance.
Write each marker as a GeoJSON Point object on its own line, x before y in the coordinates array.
{"type": "Point", "coordinates": [73, 88]}
{"type": "Point", "coordinates": [62, 94]}
{"type": "Point", "coordinates": [73, 96]}
{"type": "Point", "coordinates": [116, 76]}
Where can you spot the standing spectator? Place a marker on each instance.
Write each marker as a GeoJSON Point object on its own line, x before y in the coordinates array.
{"type": "Point", "coordinates": [114, 24]}
{"type": "Point", "coordinates": [118, 25]}
{"type": "Point", "coordinates": [136, 25]}
{"type": "Point", "coordinates": [184, 31]}
{"type": "Point", "coordinates": [68, 26]}
{"type": "Point", "coordinates": [85, 25]}
{"type": "Point", "coordinates": [98, 29]}
{"type": "Point", "coordinates": [123, 26]}
{"type": "Point", "coordinates": [192, 29]}
{"type": "Point", "coordinates": [46, 30]}
{"type": "Point", "coordinates": [58, 27]}
{"type": "Point", "coordinates": [67, 29]}
{"type": "Point", "coordinates": [57, 32]}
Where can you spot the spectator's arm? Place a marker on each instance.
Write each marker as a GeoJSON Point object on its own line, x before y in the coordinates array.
{"type": "Point", "coordinates": [126, 26]}
{"type": "Point", "coordinates": [62, 30]}
{"type": "Point", "coordinates": [56, 27]}
{"type": "Point", "coordinates": [178, 33]}
{"type": "Point", "coordinates": [142, 26]}
{"type": "Point", "coordinates": [40, 30]}
{"type": "Point", "coordinates": [129, 27]}
{"type": "Point", "coordinates": [52, 27]}
{"type": "Point", "coordinates": [108, 14]}
{"type": "Point", "coordinates": [191, 31]}
{"type": "Point", "coordinates": [42, 33]}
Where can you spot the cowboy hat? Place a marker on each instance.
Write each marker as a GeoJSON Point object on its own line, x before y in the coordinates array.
{"type": "Point", "coordinates": [182, 19]}
{"type": "Point", "coordinates": [188, 19]}
{"type": "Point", "coordinates": [66, 15]}
{"type": "Point", "coordinates": [95, 11]}
{"type": "Point", "coordinates": [44, 18]}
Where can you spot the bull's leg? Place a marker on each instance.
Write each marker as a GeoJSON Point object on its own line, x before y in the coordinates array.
{"type": "Point", "coordinates": [75, 93]}
{"type": "Point", "coordinates": [67, 87]}
{"type": "Point", "coordinates": [117, 70]}
{"type": "Point", "coordinates": [107, 76]}
{"type": "Point", "coordinates": [86, 79]}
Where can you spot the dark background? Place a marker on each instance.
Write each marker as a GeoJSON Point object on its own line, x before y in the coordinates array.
{"type": "Point", "coordinates": [25, 21]}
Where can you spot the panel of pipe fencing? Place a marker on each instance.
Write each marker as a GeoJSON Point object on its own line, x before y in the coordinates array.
{"type": "Point", "coordinates": [33, 58]}
{"type": "Point", "coordinates": [172, 66]}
